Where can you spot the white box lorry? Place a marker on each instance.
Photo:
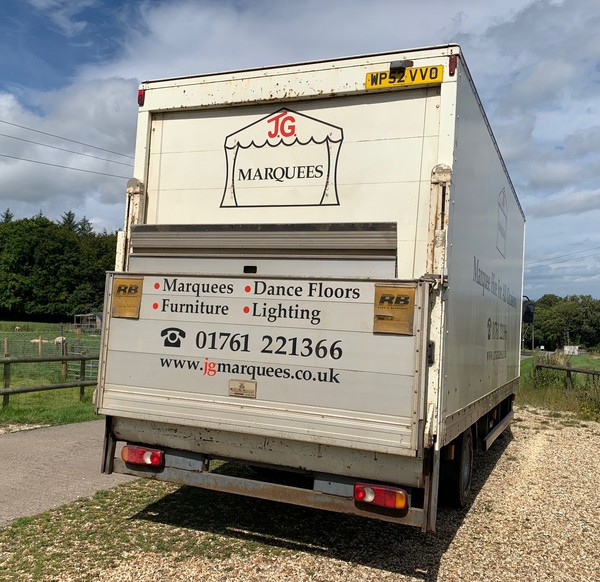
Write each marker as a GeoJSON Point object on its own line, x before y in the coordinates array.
{"type": "Point", "coordinates": [320, 274]}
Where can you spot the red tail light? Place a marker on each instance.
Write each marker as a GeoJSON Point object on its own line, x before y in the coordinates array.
{"type": "Point", "coordinates": [452, 65]}
{"type": "Point", "coordinates": [142, 456]}
{"type": "Point", "coordinates": [380, 495]}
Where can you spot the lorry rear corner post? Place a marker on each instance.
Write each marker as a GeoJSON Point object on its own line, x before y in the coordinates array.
{"type": "Point", "coordinates": [285, 296]}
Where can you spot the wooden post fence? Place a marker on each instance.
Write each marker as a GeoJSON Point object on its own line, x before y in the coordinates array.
{"type": "Point", "coordinates": [7, 361]}
{"type": "Point", "coordinates": [6, 385]}
{"type": "Point", "coordinates": [570, 371]}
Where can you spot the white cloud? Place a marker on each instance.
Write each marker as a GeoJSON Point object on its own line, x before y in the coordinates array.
{"type": "Point", "coordinates": [543, 174]}
{"type": "Point", "coordinates": [63, 13]}
{"type": "Point", "coordinates": [566, 204]}
{"type": "Point", "coordinates": [191, 37]}
{"type": "Point", "coordinates": [101, 113]}
{"type": "Point", "coordinates": [584, 143]}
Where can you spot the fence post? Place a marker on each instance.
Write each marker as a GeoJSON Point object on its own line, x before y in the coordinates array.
{"type": "Point", "coordinates": [82, 378]}
{"type": "Point", "coordinates": [569, 378]}
{"type": "Point", "coordinates": [64, 370]}
{"type": "Point", "coordinates": [6, 397]}
{"type": "Point", "coordinates": [40, 346]}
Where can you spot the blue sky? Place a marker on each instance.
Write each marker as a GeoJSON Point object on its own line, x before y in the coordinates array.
{"type": "Point", "coordinates": [43, 45]}
{"type": "Point", "coordinates": [71, 68]}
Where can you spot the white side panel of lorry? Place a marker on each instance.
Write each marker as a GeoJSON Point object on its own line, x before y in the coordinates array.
{"type": "Point", "coordinates": [485, 252]}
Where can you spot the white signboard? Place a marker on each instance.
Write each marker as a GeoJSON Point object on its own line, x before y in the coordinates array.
{"type": "Point", "coordinates": [203, 347]}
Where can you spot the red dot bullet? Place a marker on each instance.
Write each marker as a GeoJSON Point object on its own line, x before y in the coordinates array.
{"type": "Point", "coordinates": [157, 285]}
{"type": "Point", "coordinates": [155, 306]}
{"type": "Point", "coordinates": [247, 289]}
{"type": "Point", "coordinates": [246, 310]}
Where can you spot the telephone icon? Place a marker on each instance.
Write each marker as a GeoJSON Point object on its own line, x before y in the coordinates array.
{"type": "Point", "coordinates": [172, 337]}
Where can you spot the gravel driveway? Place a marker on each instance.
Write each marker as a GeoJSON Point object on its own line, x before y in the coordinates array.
{"type": "Point", "coordinates": [535, 516]}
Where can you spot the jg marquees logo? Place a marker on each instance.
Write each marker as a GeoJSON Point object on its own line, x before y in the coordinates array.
{"type": "Point", "coordinates": [283, 159]}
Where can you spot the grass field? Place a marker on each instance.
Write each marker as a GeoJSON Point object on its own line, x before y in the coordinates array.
{"type": "Point", "coordinates": [49, 407]}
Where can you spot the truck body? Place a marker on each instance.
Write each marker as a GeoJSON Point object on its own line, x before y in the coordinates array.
{"type": "Point", "coordinates": [320, 275]}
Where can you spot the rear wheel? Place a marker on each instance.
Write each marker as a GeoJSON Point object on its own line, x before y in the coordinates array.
{"type": "Point", "coordinates": [457, 473]}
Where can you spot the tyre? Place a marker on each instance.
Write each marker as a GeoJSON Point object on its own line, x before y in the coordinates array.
{"type": "Point", "coordinates": [457, 474]}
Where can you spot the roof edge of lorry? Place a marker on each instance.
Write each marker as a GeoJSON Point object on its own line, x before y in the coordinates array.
{"type": "Point", "coordinates": [456, 50]}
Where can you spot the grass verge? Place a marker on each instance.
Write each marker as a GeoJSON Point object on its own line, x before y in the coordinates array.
{"type": "Point", "coordinates": [51, 407]}
{"type": "Point", "coordinates": [547, 388]}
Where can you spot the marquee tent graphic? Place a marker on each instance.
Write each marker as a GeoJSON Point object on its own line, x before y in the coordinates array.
{"type": "Point", "coordinates": [285, 158]}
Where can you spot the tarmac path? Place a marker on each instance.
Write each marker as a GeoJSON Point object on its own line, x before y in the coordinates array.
{"type": "Point", "coordinates": [43, 468]}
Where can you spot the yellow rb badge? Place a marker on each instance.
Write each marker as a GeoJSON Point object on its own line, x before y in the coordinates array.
{"type": "Point", "coordinates": [127, 297]}
{"type": "Point", "coordinates": [394, 310]}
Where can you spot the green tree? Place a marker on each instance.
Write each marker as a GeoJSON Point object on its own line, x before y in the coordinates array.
{"type": "Point", "coordinates": [49, 271]}
{"type": "Point", "coordinates": [68, 221]}
{"type": "Point", "coordinates": [36, 268]}
{"type": "Point", "coordinates": [97, 255]}
{"type": "Point", "coordinates": [7, 216]}
{"type": "Point", "coordinates": [590, 320]}
{"type": "Point", "coordinates": [571, 320]}
{"type": "Point", "coordinates": [84, 227]}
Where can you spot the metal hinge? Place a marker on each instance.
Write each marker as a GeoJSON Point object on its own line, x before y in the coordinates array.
{"type": "Point", "coordinates": [430, 353]}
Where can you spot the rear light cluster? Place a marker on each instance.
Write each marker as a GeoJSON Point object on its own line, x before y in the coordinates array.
{"type": "Point", "coordinates": [142, 456]}
{"type": "Point", "coordinates": [380, 495]}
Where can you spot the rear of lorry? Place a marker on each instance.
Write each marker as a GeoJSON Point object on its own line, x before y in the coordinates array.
{"type": "Point", "coordinates": [320, 274]}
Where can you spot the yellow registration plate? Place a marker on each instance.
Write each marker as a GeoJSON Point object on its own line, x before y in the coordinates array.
{"type": "Point", "coordinates": [407, 78]}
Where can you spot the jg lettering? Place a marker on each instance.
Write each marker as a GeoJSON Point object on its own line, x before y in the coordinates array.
{"type": "Point", "coordinates": [284, 124]}
{"type": "Point", "coordinates": [209, 368]}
